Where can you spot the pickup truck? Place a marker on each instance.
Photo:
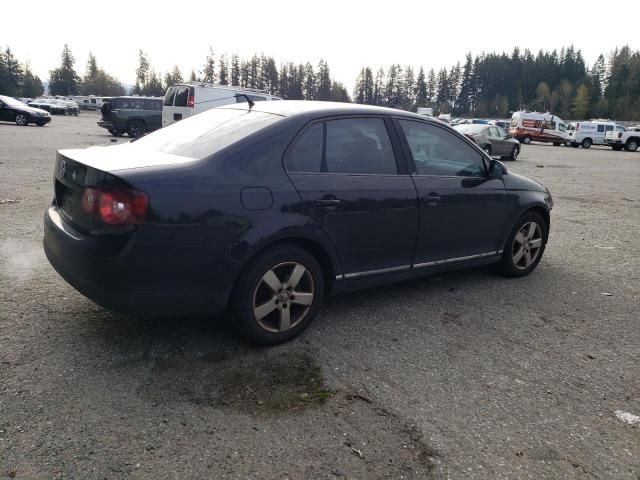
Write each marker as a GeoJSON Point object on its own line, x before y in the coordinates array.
{"type": "Point", "coordinates": [629, 140]}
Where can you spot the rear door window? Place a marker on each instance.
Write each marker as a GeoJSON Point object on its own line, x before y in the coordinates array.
{"type": "Point", "coordinates": [359, 145]}
{"type": "Point", "coordinates": [182, 94]}
{"type": "Point", "coordinates": [306, 154]}
{"type": "Point", "coordinates": [168, 97]}
{"type": "Point", "coordinates": [600, 128]}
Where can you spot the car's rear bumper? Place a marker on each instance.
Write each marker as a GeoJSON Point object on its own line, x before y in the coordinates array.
{"type": "Point", "coordinates": [613, 141]}
{"type": "Point", "coordinates": [105, 124]}
{"type": "Point", "coordinates": [109, 275]}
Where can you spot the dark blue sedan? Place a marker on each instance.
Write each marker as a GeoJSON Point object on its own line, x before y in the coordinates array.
{"type": "Point", "coordinates": [269, 208]}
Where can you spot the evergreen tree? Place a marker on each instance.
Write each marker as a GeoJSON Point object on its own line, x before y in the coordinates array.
{"type": "Point", "coordinates": [209, 68]}
{"type": "Point", "coordinates": [11, 74]}
{"type": "Point", "coordinates": [324, 81]}
{"type": "Point", "coordinates": [31, 85]}
{"type": "Point", "coordinates": [235, 70]}
{"type": "Point", "coordinates": [192, 76]}
{"type": "Point", "coordinates": [64, 80]}
{"type": "Point", "coordinates": [244, 74]}
{"type": "Point", "coordinates": [431, 87]}
{"type": "Point", "coordinates": [142, 72]}
{"type": "Point", "coordinates": [465, 95]}
{"type": "Point", "coordinates": [223, 69]}
{"type": "Point", "coordinates": [407, 89]}
{"type": "Point", "coordinates": [378, 87]}
{"type": "Point", "coordinates": [154, 87]}
{"type": "Point", "coordinates": [339, 93]}
{"type": "Point", "coordinates": [421, 89]}
{"type": "Point", "coordinates": [310, 83]}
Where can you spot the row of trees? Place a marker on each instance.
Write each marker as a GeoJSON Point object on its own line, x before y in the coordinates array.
{"type": "Point", "coordinates": [489, 84]}
{"type": "Point", "coordinates": [289, 81]}
{"type": "Point", "coordinates": [17, 80]}
{"type": "Point", "coordinates": [497, 84]}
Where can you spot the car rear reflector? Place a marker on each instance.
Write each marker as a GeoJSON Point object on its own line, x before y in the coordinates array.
{"type": "Point", "coordinates": [190, 101]}
{"type": "Point", "coordinates": [116, 206]}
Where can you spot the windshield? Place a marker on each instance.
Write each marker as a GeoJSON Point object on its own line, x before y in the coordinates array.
{"type": "Point", "coordinates": [470, 129]}
{"type": "Point", "coordinates": [11, 101]}
{"type": "Point", "coordinates": [204, 134]}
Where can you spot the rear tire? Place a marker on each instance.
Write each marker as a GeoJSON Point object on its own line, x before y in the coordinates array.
{"type": "Point", "coordinates": [526, 140]}
{"type": "Point", "coordinates": [277, 295]}
{"type": "Point", "coordinates": [575, 145]}
{"type": "Point", "coordinates": [525, 246]}
{"type": "Point", "coordinates": [136, 128]}
{"type": "Point", "coordinates": [586, 143]}
{"type": "Point", "coordinates": [631, 145]}
{"type": "Point", "coordinates": [556, 144]}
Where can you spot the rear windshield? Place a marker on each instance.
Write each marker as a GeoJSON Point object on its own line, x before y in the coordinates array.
{"type": "Point", "coordinates": [182, 94]}
{"type": "Point", "coordinates": [168, 97]}
{"type": "Point", "coordinates": [202, 135]}
{"type": "Point", "coordinates": [470, 129]}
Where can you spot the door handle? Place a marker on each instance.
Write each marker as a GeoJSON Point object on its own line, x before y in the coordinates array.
{"type": "Point", "coordinates": [327, 202]}
{"type": "Point", "coordinates": [432, 199]}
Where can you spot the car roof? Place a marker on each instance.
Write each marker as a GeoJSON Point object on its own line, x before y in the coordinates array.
{"type": "Point", "coordinates": [308, 108]}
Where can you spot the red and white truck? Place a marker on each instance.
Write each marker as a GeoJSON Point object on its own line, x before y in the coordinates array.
{"type": "Point", "coordinates": [538, 127]}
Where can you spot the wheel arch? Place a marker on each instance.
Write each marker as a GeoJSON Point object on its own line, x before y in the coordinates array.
{"type": "Point", "coordinates": [538, 208]}
{"type": "Point", "coordinates": [328, 263]}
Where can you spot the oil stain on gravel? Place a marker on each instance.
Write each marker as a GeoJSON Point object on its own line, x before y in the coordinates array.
{"type": "Point", "coordinates": [257, 383]}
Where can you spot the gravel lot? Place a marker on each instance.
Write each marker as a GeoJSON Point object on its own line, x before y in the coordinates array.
{"type": "Point", "coordinates": [462, 375]}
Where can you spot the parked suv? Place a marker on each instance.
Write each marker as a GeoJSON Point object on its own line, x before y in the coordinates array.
{"type": "Point", "coordinates": [134, 115]}
{"type": "Point", "coordinates": [11, 110]}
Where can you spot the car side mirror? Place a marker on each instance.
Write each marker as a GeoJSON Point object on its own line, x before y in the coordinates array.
{"type": "Point", "coordinates": [497, 169]}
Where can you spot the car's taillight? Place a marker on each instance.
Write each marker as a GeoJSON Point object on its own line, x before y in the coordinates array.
{"type": "Point", "coordinates": [116, 206]}
{"type": "Point", "coordinates": [190, 101]}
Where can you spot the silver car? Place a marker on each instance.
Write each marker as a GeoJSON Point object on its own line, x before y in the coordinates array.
{"type": "Point", "coordinates": [492, 139]}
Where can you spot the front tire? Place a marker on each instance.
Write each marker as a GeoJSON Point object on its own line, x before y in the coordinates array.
{"type": "Point", "coordinates": [21, 120]}
{"type": "Point", "coordinates": [525, 246]}
{"type": "Point", "coordinates": [526, 140]}
{"type": "Point", "coordinates": [575, 145]}
{"type": "Point", "coordinates": [40, 124]}
{"type": "Point", "coordinates": [617, 148]}
{"type": "Point", "coordinates": [277, 295]}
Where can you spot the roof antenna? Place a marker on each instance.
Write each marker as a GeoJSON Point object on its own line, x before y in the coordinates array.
{"type": "Point", "coordinates": [249, 101]}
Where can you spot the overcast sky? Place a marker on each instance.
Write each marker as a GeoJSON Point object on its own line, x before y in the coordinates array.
{"type": "Point", "coordinates": [348, 33]}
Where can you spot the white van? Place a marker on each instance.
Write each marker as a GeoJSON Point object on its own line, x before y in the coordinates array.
{"type": "Point", "coordinates": [592, 132]}
{"type": "Point", "coordinates": [186, 99]}
{"type": "Point", "coordinates": [539, 127]}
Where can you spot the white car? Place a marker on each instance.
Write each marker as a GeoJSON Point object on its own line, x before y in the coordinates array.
{"type": "Point", "coordinates": [183, 100]}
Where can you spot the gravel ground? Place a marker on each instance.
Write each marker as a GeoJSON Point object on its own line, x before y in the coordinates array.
{"type": "Point", "coordinates": [460, 375]}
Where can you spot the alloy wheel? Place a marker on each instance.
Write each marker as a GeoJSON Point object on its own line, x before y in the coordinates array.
{"type": "Point", "coordinates": [21, 119]}
{"type": "Point", "coordinates": [527, 245]}
{"type": "Point", "coordinates": [283, 297]}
